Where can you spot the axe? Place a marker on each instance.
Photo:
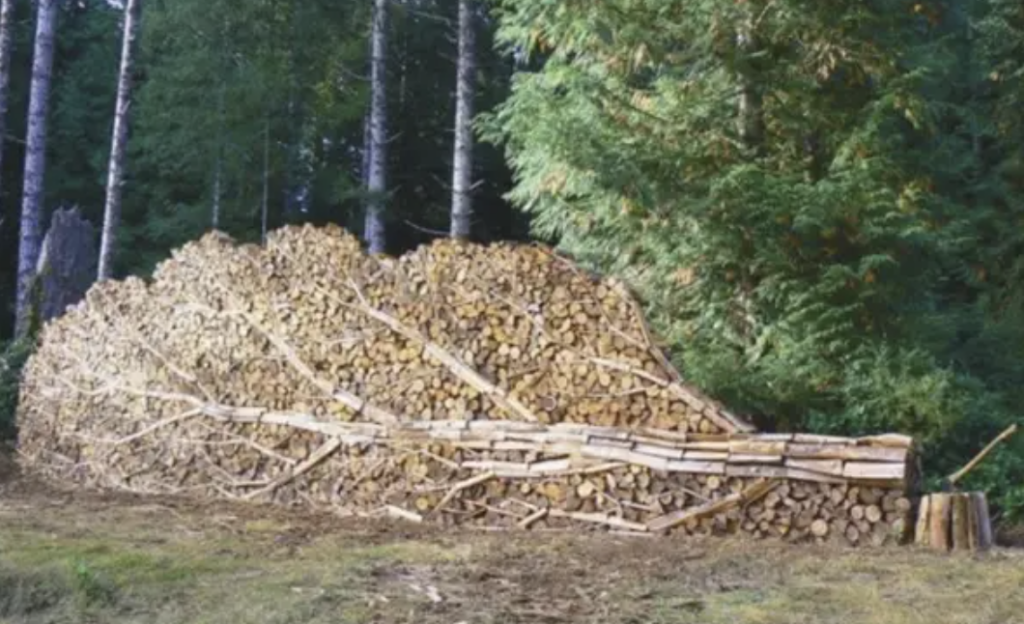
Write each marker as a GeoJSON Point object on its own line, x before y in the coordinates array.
{"type": "Point", "coordinates": [949, 483]}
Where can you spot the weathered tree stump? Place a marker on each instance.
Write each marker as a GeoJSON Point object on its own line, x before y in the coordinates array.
{"type": "Point", "coordinates": [67, 263]}
{"type": "Point", "coordinates": [954, 521]}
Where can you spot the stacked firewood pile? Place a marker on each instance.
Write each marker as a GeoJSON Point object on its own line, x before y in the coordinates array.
{"type": "Point", "coordinates": [499, 386]}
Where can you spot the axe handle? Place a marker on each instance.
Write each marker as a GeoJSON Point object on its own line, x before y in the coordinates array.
{"type": "Point", "coordinates": [959, 474]}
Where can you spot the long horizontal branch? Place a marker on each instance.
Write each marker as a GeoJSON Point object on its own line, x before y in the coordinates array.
{"type": "Point", "coordinates": [801, 457]}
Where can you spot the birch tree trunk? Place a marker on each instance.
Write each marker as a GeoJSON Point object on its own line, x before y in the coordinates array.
{"type": "Point", "coordinates": [6, 16]}
{"type": "Point", "coordinates": [119, 141]}
{"type": "Point", "coordinates": [462, 165]}
{"type": "Point", "coordinates": [35, 158]}
{"type": "Point", "coordinates": [377, 176]}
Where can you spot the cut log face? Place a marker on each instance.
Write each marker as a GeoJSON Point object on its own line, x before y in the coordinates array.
{"type": "Point", "coordinates": [460, 384]}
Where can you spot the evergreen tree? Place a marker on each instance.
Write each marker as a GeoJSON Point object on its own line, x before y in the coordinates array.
{"type": "Point", "coordinates": [750, 167]}
{"type": "Point", "coordinates": [813, 199]}
{"type": "Point", "coordinates": [280, 63]}
{"type": "Point", "coordinates": [84, 93]}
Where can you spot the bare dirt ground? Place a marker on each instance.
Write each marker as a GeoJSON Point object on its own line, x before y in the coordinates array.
{"type": "Point", "coordinates": [88, 557]}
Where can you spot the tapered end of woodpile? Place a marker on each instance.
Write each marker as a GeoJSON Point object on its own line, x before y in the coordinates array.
{"type": "Point", "coordinates": [460, 383]}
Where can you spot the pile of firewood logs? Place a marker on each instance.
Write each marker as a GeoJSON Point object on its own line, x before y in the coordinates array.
{"type": "Point", "coordinates": [500, 386]}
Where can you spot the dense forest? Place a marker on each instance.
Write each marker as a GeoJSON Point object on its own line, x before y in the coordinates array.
{"type": "Point", "coordinates": [821, 204]}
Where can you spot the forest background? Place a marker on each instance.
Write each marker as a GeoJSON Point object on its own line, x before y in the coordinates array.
{"type": "Point", "coordinates": [820, 204]}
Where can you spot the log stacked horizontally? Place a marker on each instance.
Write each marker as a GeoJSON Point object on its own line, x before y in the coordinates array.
{"type": "Point", "coordinates": [499, 386]}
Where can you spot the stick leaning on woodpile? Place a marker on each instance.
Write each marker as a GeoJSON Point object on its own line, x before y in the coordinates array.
{"type": "Point", "coordinates": [461, 384]}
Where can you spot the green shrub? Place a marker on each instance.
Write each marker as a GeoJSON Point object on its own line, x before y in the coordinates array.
{"type": "Point", "coordinates": [952, 416]}
{"type": "Point", "coordinates": [12, 359]}
{"type": "Point", "coordinates": [92, 588]}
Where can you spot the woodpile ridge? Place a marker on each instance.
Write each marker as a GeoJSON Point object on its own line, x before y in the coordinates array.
{"type": "Point", "coordinates": [496, 386]}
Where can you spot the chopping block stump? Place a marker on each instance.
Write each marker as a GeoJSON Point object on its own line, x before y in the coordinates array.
{"type": "Point", "coordinates": [956, 521]}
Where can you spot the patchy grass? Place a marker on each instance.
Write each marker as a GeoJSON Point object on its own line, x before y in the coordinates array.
{"type": "Point", "coordinates": [68, 557]}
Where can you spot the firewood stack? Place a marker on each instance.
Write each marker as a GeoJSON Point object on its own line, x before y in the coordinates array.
{"type": "Point", "coordinates": [499, 386]}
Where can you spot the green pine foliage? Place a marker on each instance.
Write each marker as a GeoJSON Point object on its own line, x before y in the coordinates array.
{"type": "Point", "coordinates": [85, 86]}
{"type": "Point", "coordinates": [798, 211]}
{"type": "Point", "coordinates": [217, 78]}
{"type": "Point", "coordinates": [13, 356]}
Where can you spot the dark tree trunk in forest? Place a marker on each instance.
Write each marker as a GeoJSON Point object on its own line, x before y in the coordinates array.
{"type": "Point", "coordinates": [35, 157]}
{"type": "Point", "coordinates": [364, 172]}
{"type": "Point", "coordinates": [265, 201]}
{"type": "Point", "coordinates": [119, 141]}
{"type": "Point", "coordinates": [462, 162]}
{"type": "Point", "coordinates": [364, 168]}
{"type": "Point", "coordinates": [294, 111]}
{"type": "Point", "coordinates": [377, 176]}
{"type": "Point", "coordinates": [218, 164]}
{"type": "Point", "coordinates": [6, 15]}
{"type": "Point", "coordinates": [218, 167]}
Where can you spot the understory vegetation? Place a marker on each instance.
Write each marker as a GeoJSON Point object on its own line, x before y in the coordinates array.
{"type": "Point", "coordinates": [12, 359]}
{"type": "Point", "coordinates": [821, 202]}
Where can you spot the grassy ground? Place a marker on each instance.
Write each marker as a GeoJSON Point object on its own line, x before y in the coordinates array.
{"type": "Point", "coordinates": [87, 558]}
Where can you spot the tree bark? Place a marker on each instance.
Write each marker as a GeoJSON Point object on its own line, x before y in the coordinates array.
{"type": "Point", "coordinates": [364, 170]}
{"type": "Point", "coordinates": [288, 195]}
{"type": "Point", "coordinates": [293, 188]}
{"type": "Point", "coordinates": [119, 141]}
{"type": "Point", "coordinates": [35, 158]}
{"type": "Point", "coordinates": [6, 16]}
{"type": "Point", "coordinates": [462, 165]}
{"type": "Point", "coordinates": [377, 177]}
{"type": "Point", "coordinates": [215, 216]}
{"type": "Point", "coordinates": [218, 165]}
{"type": "Point", "coordinates": [67, 263]}
{"type": "Point", "coordinates": [266, 181]}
